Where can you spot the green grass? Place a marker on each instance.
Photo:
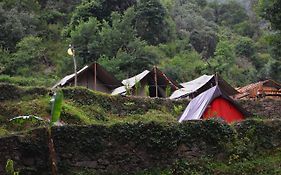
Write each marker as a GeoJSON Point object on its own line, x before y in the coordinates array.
{"type": "Point", "coordinates": [75, 115]}
{"type": "Point", "coordinates": [37, 107]}
{"type": "Point", "coordinates": [95, 114]}
{"type": "Point", "coordinates": [27, 81]}
{"type": "Point", "coordinates": [81, 114]}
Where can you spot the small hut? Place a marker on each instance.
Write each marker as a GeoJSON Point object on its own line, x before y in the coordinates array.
{"type": "Point", "coordinates": [214, 103]}
{"type": "Point", "coordinates": [261, 89]}
{"type": "Point", "coordinates": [93, 77]}
{"type": "Point", "coordinates": [152, 83]}
{"type": "Point", "coordinates": [195, 87]}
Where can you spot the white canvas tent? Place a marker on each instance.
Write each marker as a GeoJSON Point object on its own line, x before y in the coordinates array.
{"type": "Point", "coordinates": [197, 106]}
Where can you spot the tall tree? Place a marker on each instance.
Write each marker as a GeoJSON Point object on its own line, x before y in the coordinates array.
{"type": "Point", "coordinates": [17, 20]}
{"type": "Point", "coordinates": [93, 39]}
{"type": "Point", "coordinates": [150, 22]}
{"type": "Point", "coordinates": [29, 59]}
{"type": "Point", "coordinates": [271, 10]}
{"type": "Point", "coordinates": [100, 9]}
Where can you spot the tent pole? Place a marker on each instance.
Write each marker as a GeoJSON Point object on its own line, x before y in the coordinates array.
{"type": "Point", "coordinates": [216, 79]}
{"type": "Point", "coordinates": [75, 66]}
{"type": "Point", "coordinates": [156, 84]}
{"type": "Point", "coordinates": [95, 81]}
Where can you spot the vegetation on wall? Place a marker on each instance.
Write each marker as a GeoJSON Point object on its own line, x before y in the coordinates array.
{"type": "Point", "coordinates": [201, 147]}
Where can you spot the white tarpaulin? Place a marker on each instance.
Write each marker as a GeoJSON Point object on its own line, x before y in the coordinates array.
{"type": "Point", "coordinates": [130, 82]}
{"type": "Point", "coordinates": [191, 86]}
{"type": "Point", "coordinates": [198, 82]}
{"type": "Point", "coordinates": [120, 90]}
{"type": "Point", "coordinates": [198, 105]}
{"type": "Point", "coordinates": [68, 77]}
{"type": "Point", "coordinates": [179, 93]}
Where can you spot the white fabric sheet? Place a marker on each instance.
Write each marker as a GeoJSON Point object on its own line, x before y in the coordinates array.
{"type": "Point", "coordinates": [191, 86]}
{"type": "Point", "coordinates": [198, 105]}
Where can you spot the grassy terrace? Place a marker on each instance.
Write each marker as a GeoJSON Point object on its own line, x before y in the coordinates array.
{"type": "Point", "coordinates": [252, 147]}
{"type": "Point", "coordinates": [83, 107]}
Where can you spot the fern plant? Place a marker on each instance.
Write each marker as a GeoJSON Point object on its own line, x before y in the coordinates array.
{"type": "Point", "coordinates": [137, 87]}
{"type": "Point", "coordinates": [10, 168]}
{"type": "Point", "coordinates": [146, 90]}
{"type": "Point", "coordinates": [168, 91]}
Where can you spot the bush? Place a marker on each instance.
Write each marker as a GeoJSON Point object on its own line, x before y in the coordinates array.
{"type": "Point", "coordinates": [245, 47]}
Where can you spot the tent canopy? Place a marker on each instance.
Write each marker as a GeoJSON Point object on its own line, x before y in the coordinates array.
{"type": "Point", "coordinates": [198, 105]}
{"type": "Point", "coordinates": [103, 76]}
{"type": "Point", "coordinates": [200, 84]}
{"type": "Point", "coordinates": [152, 78]}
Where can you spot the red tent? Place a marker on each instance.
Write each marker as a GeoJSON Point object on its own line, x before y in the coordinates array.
{"type": "Point", "coordinates": [223, 108]}
{"type": "Point", "coordinates": [214, 103]}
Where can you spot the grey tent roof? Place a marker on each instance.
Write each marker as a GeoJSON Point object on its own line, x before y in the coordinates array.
{"type": "Point", "coordinates": [201, 84]}
{"type": "Point", "coordinates": [197, 83]}
{"type": "Point", "coordinates": [67, 78]}
{"type": "Point", "coordinates": [198, 105]}
{"type": "Point", "coordinates": [120, 90]}
{"type": "Point", "coordinates": [102, 74]}
{"type": "Point", "coordinates": [191, 86]}
{"type": "Point", "coordinates": [130, 82]}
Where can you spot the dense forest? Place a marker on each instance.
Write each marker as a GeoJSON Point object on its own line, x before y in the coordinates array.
{"type": "Point", "coordinates": [185, 38]}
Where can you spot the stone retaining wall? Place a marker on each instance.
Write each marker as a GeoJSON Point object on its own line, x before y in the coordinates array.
{"type": "Point", "coordinates": [129, 148]}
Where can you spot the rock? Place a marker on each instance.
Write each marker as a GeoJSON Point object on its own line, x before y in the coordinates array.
{"type": "Point", "coordinates": [28, 161]}
{"type": "Point", "coordinates": [103, 162]}
{"type": "Point", "coordinates": [183, 148]}
{"type": "Point", "coordinates": [87, 164]}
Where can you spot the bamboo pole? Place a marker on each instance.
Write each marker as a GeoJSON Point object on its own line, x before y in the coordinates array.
{"type": "Point", "coordinates": [95, 78]}
{"type": "Point", "coordinates": [216, 79]}
{"type": "Point", "coordinates": [75, 70]}
{"type": "Point", "coordinates": [155, 80]}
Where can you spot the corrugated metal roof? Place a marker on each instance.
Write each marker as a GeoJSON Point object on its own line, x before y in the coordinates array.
{"type": "Point", "coordinates": [260, 83]}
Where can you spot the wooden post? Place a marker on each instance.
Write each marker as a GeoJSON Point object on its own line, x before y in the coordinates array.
{"type": "Point", "coordinates": [95, 78]}
{"type": "Point", "coordinates": [216, 79]}
{"type": "Point", "coordinates": [155, 80]}
{"type": "Point", "coordinates": [75, 67]}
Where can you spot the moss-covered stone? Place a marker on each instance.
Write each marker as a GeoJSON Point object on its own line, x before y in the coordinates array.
{"type": "Point", "coordinates": [127, 148]}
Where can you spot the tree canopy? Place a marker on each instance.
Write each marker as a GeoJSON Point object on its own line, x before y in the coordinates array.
{"type": "Point", "coordinates": [186, 38]}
